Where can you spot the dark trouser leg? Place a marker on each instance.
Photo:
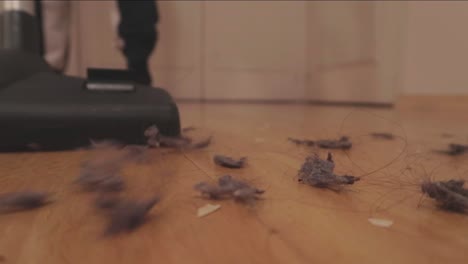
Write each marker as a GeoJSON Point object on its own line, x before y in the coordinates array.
{"type": "Point", "coordinates": [137, 50]}
{"type": "Point", "coordinates": [137, 29]}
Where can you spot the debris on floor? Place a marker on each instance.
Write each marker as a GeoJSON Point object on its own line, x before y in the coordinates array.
{"type": "Point", "coordinates": [100, 177]}
{"type": "Point", "coordinates": [102, 171]}
{"type": "Point", "coordinates": [383, 135]}
{"type": "Point", "coordinates": [116, 151]}
{"type": "Point", "coordinates": [152, 136]}
{"type": "Point", "coordinates": [20, 201]}
{"type": "Point", "coordinates": [93, 181]}
{"type": "Point", "coordinates": [449, 195]}
{"type": "Point", "coordinates": [127, 215]}
{"type": "Point", "coordinates": [247, 194]}
{"type": "Point", "coordinates": [228, 187]}
{"type": "Point", "coordinates": [106, 201]}
{"type": "Point", "coordinates": [151, 132]}
{"type": "Point", "coordinates": [454, 149]}
{"type": "Point", "coordinates": [207, 209]}
{"type": "Point", "coordinates": [229, 162]}
{"type": "Point", "coordinates": [380, 222]}
{"type": "Point", "coordinates": [155, 139]}
{"type": "Point", "coordinates": [201, 144]}
{"type": "Point", "coordinates": [305, 142]}
{"type": "Point", "coordinates": [319, 173]}
{"type": "Point", "coordinates": [102, 174]}
{"type": "Point", "coordinates": [137, 153]}
{"type": "Point", "coordinates": [174, 142]}
{"type": "Point", "coordinates": [342, 143]}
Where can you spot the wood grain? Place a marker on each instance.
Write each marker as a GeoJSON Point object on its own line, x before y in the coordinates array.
{"type": "Point", "coordinates": [294, 223]}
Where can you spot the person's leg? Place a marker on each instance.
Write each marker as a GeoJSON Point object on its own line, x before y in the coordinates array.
{"type": "Point", "coordinates": [137, 29]}
{"type": "Point", "coordinates": [55, 27]}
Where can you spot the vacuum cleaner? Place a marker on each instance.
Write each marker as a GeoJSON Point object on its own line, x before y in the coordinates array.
{"type": "Point", "coordinates": [42, 109]}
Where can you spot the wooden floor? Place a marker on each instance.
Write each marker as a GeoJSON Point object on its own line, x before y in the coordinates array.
{"type": "Point", "coordinates": [294, 223]}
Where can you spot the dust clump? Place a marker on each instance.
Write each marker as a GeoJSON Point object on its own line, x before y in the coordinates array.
{"type": "Point", "coordinates": [201, 144]}
{"type": "Point", "coordinates": [319, 173]}
{"type": "Point", "coordinates": [383, 135]}
{"type": "Point", "coordinates": [102, 174]}
{"type": "Point", "coordinates": [449, 195]}
{"type": "Point", "coordinates": [22, 201]}
{"type": "Point", "coordinates": [304, 142]}
{"type": "Point", "coordinates": [229, 162]}
{"type": "Point", "coordinates": [155, 139]}
{"type": "Point", "coordinates": [455, 149]}
{"type": "Point", "coordinates": [125, 215]}
{"type": "Point", "coordinates": [229, 188]}
{"type": "Point", "coordinates": [341, 143]}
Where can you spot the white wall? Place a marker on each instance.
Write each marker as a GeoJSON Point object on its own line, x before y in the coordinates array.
{"type": "Point", "coordinates": [254, 50]}
{"type": "Point", "coordinates": [436, 52]}
{"type": "Point", "coordinates": [270, 50]}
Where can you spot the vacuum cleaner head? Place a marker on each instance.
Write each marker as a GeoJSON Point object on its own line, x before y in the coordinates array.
{"type": "Point", "coordinates": [40, 108]}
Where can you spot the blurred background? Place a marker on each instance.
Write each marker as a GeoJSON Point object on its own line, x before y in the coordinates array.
{"type": "Point", "coordinates": [332, 51]}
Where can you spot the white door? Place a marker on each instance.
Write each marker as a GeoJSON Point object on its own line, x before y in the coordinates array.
{"type": "Point", "coordinates": [337, 51]}
{"type": "Point", "coordinates": [254, 50]}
